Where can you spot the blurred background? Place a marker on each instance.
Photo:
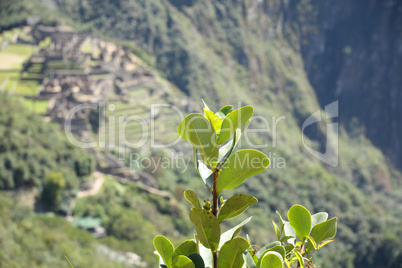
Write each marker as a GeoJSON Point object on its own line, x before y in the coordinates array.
{"type": "Point", "coordinates": [102, 205]}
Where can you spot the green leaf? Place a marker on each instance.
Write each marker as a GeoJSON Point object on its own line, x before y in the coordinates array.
{"type": "Point", "coordinates": [312, 241]}
{"type": "Point", "coordinates": [249, 260]}
{"type": "Point", "coordinates": [199, 132]}
{"type": "Point", "coordinates": [232, 121]}
{"type": "Point", "coordinates": [322, 231]}
{"type": "Point", "coordinates": [165, 249]}
{"type": "Point", "coordinates": [207, 227]}
{"type": "Point", "coordinates": [161, 263]}
{"type": "Point", "coordinates": [235, 206]}
{"type": "Point", "coordinates": [264, 248]}
{"type": "Point", "coordinates": [281, 222]}
{"type": "Point", "coordinates": [289, 232]}
{"type": "Point", "coordinates": [205, 253]}
{"type": "Point", "coordinates": [289, 248]}
{"type": "Point", "coordinates": [231, 253]}
{"type": "Point", "coordinates": [215, 120]}
{"type": "Point", "coordinates": [231, 233]}
{"type": "Point", "coordinates": [291, 238]}
{"type": "Point", "coordinates": [278, 248]}
{"type": "Point", "coordinates": [324, 243]}
{"type": "Point", "coordinates": [300, 220]}
{"type": "Point", "coordinates": [240, 166]}
{"type": "Point", "coordinates": [192, 198]}
{"type": "Point", "coordinates": [203, 170]}
{"type": "Point", "coordinates": [226, 150]}
{"type": "Point", "coordinates": [197, 260]}
{"type": "Point", "coordinates": [272, 260]}
{"type": "Point", "coordinates": [318, 218]}
{"type": "Point", "coordinates": [182, 261]}
{"type": "Point", "coordinates": [185, 248]}
{"type": "Point", "coordinates": [224, 111]}
{"type": "Point", "coordinates": [300, 258]}
{"type": "Point", "coordinates": [277, 230]}
{"type": "Point", "coordinates": [68, 261]}
{"type": "Point", "coordinates": [205, 105]}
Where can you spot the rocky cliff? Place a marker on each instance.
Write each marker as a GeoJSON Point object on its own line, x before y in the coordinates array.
{"type": "Point", "coordinates": [352, 52]}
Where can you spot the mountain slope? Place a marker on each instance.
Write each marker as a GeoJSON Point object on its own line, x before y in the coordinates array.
{"type": "Point", "coordinates": [352, 52]}
{"type": "Point", "coordinates": [252, 51]}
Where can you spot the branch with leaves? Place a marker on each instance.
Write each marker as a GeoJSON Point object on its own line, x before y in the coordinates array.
{"type": "Point", "coordinates": [214, 137]}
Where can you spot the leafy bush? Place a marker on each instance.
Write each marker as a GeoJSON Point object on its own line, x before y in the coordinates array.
{"type": "Point", "coordinates": [31, 151]}
{"type": "Point", "coordinates": [52, 191]}
{"type": "Point", "coordinates": [214, 137]}
{"type": "Point", "coordinates": [42, 240]}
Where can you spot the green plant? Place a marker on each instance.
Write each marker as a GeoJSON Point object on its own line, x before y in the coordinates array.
{"type": "Point", "coordinates": [52, 191]}
{"type": "Point", "coordinates": [214, 137]}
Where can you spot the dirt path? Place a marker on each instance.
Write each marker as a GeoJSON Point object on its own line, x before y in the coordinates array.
{"type": "Point", "coordinates": [96, 186]}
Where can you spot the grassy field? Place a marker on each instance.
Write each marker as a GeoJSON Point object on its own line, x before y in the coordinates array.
{"type": "Point", "coordinates": [12, 59]}
{"type": "Point", "coordinates": [37, 106]}
{"type": "Point", "coordinates": [13, 56]}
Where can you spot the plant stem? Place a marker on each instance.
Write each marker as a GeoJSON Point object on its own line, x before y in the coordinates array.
{"type": "Point", "coordinates": [301, 252]}
{"type": "Point", "coordinates": [215, 255]}
{"type": "Point", "coordinates": [214, 193]}
{"type": "Point", "coordinates": [215, 208]}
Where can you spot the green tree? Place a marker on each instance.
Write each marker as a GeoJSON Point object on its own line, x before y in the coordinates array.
{"type": "Point", "coordinates": [52, 191]}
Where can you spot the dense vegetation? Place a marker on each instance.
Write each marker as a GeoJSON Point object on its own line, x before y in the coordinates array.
{"type": "Point", "coordinates": [231, 50]}
{"type": "Point", "coordinates": [29, 240]}
{"type": "Point", "coordinates": [35, 154]}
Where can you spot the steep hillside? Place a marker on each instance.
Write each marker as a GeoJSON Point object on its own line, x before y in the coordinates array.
{"type": "Point", "coordinates": [226, 51]}
{"type": "Point", "coordinates": [353, 52]}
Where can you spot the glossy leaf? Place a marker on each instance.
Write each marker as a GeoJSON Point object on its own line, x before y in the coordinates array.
{"type": "Point", "coordinates": [192, 198]}
{"type": "Point", "coordinates": [161, 263]}
{"type": "Point", "coordinates": [207, 227]}
{"type": "Point", "coordinates": [318, 218]}
{"type": "Point", "coordinates": [272, 260]}
{"type": "Point", "coordinates": [231, 233]}
{"type": "Point", "coordinates": [226, 150]}
{"type": "Point", "coordinates": [182, 261]}
{"type": "Point", "coordinates": [197, 260]}
{"type": "Point", "coordinates": [232, 121]}
{"type": "Point", "coordinates": [231, 253]}
{"type": "Point", "coordinates": [299, 258]}
{"type": "Point", "coordinates": [322, 231]}
{"type": "Point", "coordinates": [215, 120]}
{"type": "Point", "coordinates": [300, 220]}
{"type": "Point", "coordinates": [286, 238]}
{"type": "Point", "coordinates": [198, 131]}
{"type": "Point", "coordinates": [277, 230]}
{"type": "Point", "coordinates": [235, 206]}
{"type": "Point", "coordinates": [264, 248]}
{"type": "Point", "coordinates": [289, 232]}
{"type": "Point", "coordinates": [326, 242]}
{"type": "Point", "coordinates": [165, 249]}
{"type": "Point", "coordinates": [281, 222]}
{"type": "Point", "coordinates": [185, 248]}
{"type": "Point", "coordinates": [312, 241]}
{"type": "Point", "coordinates": [206, 254]}
{"type": "Point", "coordinates": [203, 170]}
{"type": "Point", "coordinates": [205, 105]}
{"type": "Point", "coordinates": [249, 260]}
{"type": "Point", "coordinates": [224, 111]}
{"type": "Point", "coordinates": [240, 166]}
{"type": "Point", "coordinates": [278, 248]}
